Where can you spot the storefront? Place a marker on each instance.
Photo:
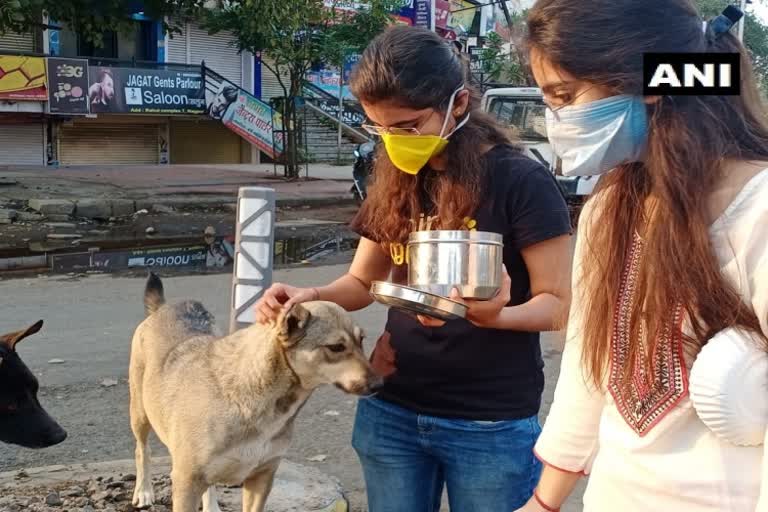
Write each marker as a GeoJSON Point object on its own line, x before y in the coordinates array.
{"type": "Point", "coordinates": [205, 141]}
{"type": "Point", "coordinates": [129, 115]}
{"type": "Point", "coordinates": [22, 139]}
{"type": "Point", "coordinates": [23, 94]}
{"type": "Point", "coordinates": [111, 140]}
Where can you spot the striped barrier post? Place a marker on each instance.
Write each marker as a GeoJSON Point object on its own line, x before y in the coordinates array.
{"type": "Point", "coordinates": [253, 260]}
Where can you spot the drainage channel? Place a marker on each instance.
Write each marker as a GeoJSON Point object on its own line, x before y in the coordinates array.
{"type": "Point", "coordinates": [182, 254]}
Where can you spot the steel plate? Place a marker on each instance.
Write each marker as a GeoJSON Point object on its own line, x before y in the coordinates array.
{"type": "Point", "coordinates": [417, 301]}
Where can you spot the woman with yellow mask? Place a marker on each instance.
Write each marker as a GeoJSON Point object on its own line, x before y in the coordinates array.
{"type": "Point", "coordinates": [459, 406]}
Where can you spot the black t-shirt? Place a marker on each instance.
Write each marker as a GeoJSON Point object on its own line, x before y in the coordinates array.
{"type": "Point", "coordinates": [459, 370]}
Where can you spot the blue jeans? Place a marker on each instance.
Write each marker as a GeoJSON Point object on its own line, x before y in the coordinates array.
{"type": "Point", "coordinates": [407, 458]}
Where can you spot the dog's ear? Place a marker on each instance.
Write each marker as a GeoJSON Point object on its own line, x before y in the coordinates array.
{"type": "Point", "coordinates": [12, 338]}
{"type": "Point", "coordinates": [292, 325]}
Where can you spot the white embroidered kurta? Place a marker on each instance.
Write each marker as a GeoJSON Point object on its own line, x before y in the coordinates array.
{"type": "Point", "coordinates": [651, 450]}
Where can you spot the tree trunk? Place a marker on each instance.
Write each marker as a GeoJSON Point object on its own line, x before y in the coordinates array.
{"type": "Point", "coordinates": [292, 157]}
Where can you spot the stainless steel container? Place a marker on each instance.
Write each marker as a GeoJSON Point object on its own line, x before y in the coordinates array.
{"type": "Point", "coordinates": [468, 260]}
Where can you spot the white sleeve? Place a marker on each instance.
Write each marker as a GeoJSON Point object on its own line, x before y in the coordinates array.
{"type": "Point", "coordinates": [568, 441]}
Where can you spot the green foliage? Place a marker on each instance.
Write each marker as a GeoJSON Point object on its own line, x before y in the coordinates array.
{"type": "Point", "coordinates": [89, 18]}
{"type": "Point", "coordinates": [294, 35]}
{"type": "Point", "coordinates": [499, 64]}
{"type": "Point", "coordinates": [504, 61]}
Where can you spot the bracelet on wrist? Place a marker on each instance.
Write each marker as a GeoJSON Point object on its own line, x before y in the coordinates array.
{"type": "Point", "coordinates": [316, 294]}
{"type": "Point", "coordinates": [544, 505]}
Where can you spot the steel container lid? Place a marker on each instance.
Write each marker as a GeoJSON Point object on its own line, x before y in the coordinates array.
{"type": "Point", "coordinates": [449, 236]}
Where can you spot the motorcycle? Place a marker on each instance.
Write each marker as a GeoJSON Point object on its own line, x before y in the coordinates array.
{"type": "Point", "coordinates": [361, 169]}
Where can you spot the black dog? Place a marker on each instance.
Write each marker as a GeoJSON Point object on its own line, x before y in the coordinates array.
{"type": "Point", "coordinates": [23, 420]}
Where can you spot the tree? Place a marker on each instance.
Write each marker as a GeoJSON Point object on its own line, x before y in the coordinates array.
{"type": "Point", "coordinates": [503, 58]}
{"type": "Point", "coordinates": [755, 36]}
{"type": "Point", "coordinates": [294, 36]}
{"type": "Point", "coordinates": [500, 62]}
{"type": "Point", "coordinates": [89, 18]}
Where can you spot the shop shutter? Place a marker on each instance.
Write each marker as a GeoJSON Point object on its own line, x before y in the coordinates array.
{"type": "Point", "coordinates": [176, 49]}
{"type": "Point", "coordinates": [108, 144]}
{"type": "Point", "coordinates": [270, 86]}
{"type": "Point", "coordinates": [11, 42]}
{"type": "Point", "coordinates": [216, 52]}
{"type": "Point", "coordinates": [203, 142]}
{"type": "Point", "coordinates": [22, 144]}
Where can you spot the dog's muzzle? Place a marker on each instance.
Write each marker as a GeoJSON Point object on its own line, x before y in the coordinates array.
{"type": "Point", "coordinates": [369, 387]}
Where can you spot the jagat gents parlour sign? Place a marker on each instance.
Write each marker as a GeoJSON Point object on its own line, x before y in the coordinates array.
{"type": "Point", "coordinates": [145, 91]}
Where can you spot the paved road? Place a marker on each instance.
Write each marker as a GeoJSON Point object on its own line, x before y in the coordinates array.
{"type": "Point", "coordinates": [88, 324]}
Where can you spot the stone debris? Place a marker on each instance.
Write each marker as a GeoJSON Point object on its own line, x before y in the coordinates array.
{"type": "Point", "coordinates": [297, 489]}
{"type": "Point", "coordinates": [7, 216]}
{"type": "Point", "coordinates": [96, 495]}
{"type": "Point", "coordinates": [56, 361]}
{"type": "Point", "coordinates": [52, 206]}
{"type": "Point", "coordinates": [53, 499]}
{"type": "Point", "coordinates": [161, 208]}
{"type": "Point", "coordinates": [108, 383]}
{"type": "Point", "coordinates": [317, 458]}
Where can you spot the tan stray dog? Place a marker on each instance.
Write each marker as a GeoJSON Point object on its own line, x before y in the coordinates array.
{"type": "Point", "coordinates": [225, 406]}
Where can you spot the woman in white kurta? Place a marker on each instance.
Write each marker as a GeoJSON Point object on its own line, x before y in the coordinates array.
{"type": "Point", "coordinates": [679, 219]}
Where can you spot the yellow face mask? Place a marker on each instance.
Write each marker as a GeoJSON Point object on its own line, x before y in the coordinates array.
{"type": "Point", "coordinates": [410, 153]}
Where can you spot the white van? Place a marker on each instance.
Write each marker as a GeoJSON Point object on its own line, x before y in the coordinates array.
{"type": "Point", "coordinates": [522, 110]}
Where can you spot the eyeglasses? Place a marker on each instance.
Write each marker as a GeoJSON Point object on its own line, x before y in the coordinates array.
{"type": "Point", "coordinates": [380, 130]}
{"type": "Point", "coordinates": [375, 129]}
{"type": "Point", "coordinates": [556, 109]}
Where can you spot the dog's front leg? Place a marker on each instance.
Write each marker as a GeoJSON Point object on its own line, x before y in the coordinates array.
{"type": "Point", "coordinates": [187, 491]}
{"type": "Point", "coordinates": [258, 486]}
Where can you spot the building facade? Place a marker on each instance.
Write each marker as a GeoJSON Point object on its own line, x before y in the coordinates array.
{"type": "Point", "coordinates": [137, 99]}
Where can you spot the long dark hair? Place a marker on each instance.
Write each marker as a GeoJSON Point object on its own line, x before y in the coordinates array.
{"type": "Point", "coordinates": [603, 42]}
{"type": "Point", "coordinates": [417, 69]}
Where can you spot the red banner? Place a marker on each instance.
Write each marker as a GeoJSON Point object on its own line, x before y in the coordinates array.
{"type": "Point", "coordinates": [442, 13]}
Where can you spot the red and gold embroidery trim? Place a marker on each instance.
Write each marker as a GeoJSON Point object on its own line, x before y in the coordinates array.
{"type": "Point", "coordinates": [642, 405]}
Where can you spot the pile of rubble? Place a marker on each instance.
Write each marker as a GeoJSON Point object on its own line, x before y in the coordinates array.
{"type": "Point", "coordinates": [110, 494]}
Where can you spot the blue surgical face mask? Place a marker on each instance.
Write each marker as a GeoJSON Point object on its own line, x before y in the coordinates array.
{"type": "Point", "coordinates": [595, 137]}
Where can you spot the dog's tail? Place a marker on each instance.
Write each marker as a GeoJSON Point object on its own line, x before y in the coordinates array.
{"type": "Point", "coordinates": [154, 296]}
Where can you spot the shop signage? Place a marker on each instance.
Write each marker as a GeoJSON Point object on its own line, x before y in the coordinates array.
{"type": "Point", "coordinates": [243, 113]}
{"type": "Point", "coordinates": [67, 86]}
{"type": "Point", "coordinates": [462, 15]}
{"type": "Point", "coordinates": [22, 78]}
{"type": "Point", "coordinates": [145, 91]}
{"type": "Point", "coordinates": [416, 12]}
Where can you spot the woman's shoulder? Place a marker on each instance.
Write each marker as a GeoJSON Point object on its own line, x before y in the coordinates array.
{"type": "Point", "coordinates": [740, 193]}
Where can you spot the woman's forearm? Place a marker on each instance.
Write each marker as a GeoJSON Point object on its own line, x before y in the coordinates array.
{"type": "Point", "coordinates": [348, 292]}
{"type": "Point", "coordinates": [544, 312]}
{"type": "Point", "coordinates": [555, 486]}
